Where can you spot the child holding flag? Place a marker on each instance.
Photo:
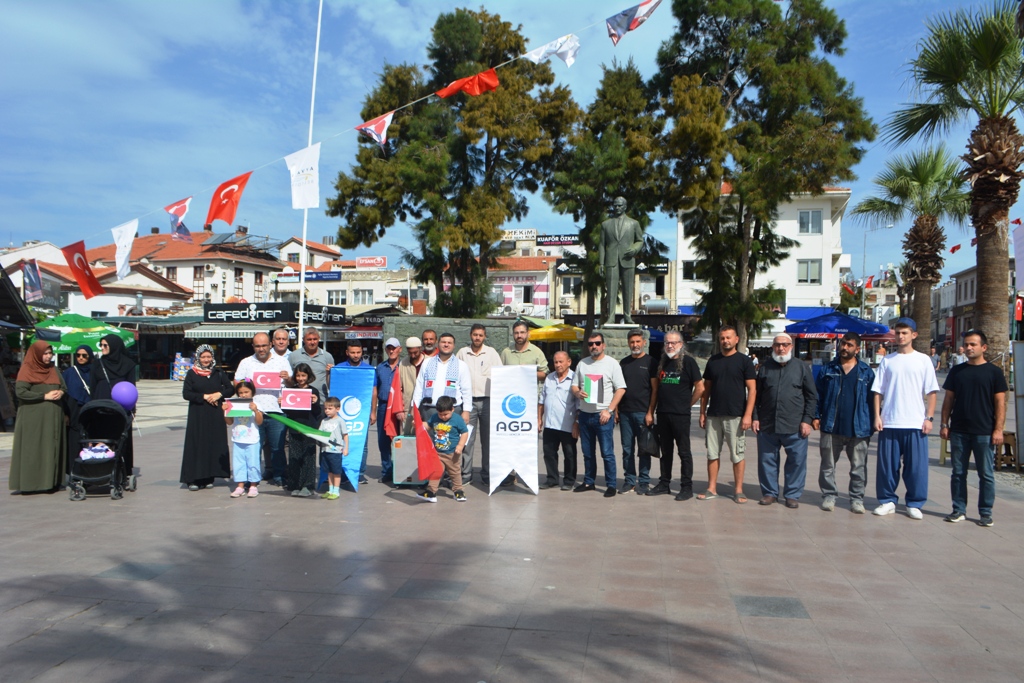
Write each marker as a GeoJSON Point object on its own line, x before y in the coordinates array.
{"type": "Point", "coordinates": [301, 448]}
{"type": "Point", "coordinates": [245, 440]}
{"type": "Point", "coordinates": [449, 435]}
{"type": "Point", "coordinates": [330, 456]}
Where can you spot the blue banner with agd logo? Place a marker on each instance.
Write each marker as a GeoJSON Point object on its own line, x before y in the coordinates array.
{"type": "Point", "coordinates": [353, 386]}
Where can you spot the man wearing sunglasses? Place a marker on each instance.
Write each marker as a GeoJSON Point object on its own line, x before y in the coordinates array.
{"type": "Point", "coordinates": [599, 386]}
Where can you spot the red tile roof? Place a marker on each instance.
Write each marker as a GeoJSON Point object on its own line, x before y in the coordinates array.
{"type": "Point", "coordinates": [727, 188]}
{"type": "Point", "coordinates": [160, 247]}
{"type": "Point", "coordinates": [524, 263]}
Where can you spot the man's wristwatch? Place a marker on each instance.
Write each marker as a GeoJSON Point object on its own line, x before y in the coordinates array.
{"type": "Point", "coordinates": [931, 419]}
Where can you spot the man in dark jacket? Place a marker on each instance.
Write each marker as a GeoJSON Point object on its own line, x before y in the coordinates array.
{"type": "Point", "coordinates": [844, 418]}
{"type": "Point", "coordinates": [783, 413]}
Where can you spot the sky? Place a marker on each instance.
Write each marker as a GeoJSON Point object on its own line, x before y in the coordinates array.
{"type": "Point", "coordinates": [113, 110]}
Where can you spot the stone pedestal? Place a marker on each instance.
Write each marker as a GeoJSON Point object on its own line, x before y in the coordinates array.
{"type": "Point", "coordinates": [616, 341]}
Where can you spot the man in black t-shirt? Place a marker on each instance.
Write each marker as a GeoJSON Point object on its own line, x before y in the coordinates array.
{"type": "Point", "coordinates": [726, 409]}
{"type": "Point", "coordinates": [636, 410]}
{"type": "Point", "coordinates": [973, 413]}
{"type": "Point", "coordinates": [678, 387]}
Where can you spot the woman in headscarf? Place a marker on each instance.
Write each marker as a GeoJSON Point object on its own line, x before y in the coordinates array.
{"type": "Point", "coordinates": [77, 380]}
{"type": "Point", "coordinates": [40, 446]}
{"type": "Point", "coordinates": [207, 454]}
{"type": "Point", "coordinates": [111, 367]}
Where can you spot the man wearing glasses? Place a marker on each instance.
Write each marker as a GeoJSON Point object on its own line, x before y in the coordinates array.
{"type": "Point", "coordinates": [783, 415]}
{"type": "Point", "coordinates": [272, 432]}
{"type": "Point", "coordinates": [599, 386]}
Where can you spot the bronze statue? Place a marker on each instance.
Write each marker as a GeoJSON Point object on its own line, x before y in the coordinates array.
{"type": "Point", "coordinates": [621, 240]}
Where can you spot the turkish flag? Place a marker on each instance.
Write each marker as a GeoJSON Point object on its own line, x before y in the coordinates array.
{"type": "Point", "coordinates": [428, 463]}
{"type": "Point", "coordinates": [225, 199]}
{"type": "Point", "coordinates": [266, 380]}
{"type": "Point", "coordinates": [473, 85]}
{"type": "Point", "coordinates": [396, 404]}
{"type": "Point", "coordinates": [297, 399]}
{"type": "Point", "coordinates": [1018, 310]}
{"type": "Point", "coordinates": [955, 248]}
{"type": "Point", "coordinates": [87, 282]}
{"type": "Point", "coordinates": [1016, 221]}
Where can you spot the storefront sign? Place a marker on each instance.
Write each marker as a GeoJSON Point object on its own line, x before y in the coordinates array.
{"type": "Point", "coordinates": [379, 262]}
{"type": "Point", "coordinates": [279, 312]}
{"type": "Point", "coordinates": [564, 267]}
{"type": "Point", "coordinates": [512, 279]}
{"type": "Point", "coordinates": [519, 235]}
{"type": "Point", "coordinates": [364, 334]}
{"type": "Point", "coordinates": [320, 276]}
{"type": "Point", "coordinates": [369, 320]}
{"type": "Point", "coordinates": [557, 240]}
{"type": "Point", "coordinates": [652, 269]}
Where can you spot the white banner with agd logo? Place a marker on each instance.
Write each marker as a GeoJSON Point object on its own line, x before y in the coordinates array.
{"type": "Point", "coordinates": [514, 424]}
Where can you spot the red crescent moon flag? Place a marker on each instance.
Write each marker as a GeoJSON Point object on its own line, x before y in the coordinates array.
{"type": "Point", "coordinates": [1018, 309]}
{"type": "Point", "coordinates": [266, 380]}
{"type": "Point", "coordinates": [225, 199]}
{"type": "Point", "coordinates": [297, 399]}
{"type": "Point", "coordinates": [74, 254]}
{"type": "Point", "coordinates": [428, 463]}
{"type": "Point", "coordinates": [484, 81]}
{"type": "Point", "coordinates": [396, 404]}
{"type": "Point", "coordinates": [867, 285]}
{"type": "Point", "coordinates": [955, 248]}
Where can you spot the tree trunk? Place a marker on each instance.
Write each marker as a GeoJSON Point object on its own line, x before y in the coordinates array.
{"type": "Point", "coordinates": [993, 299]}
{"type": "Point", "coordinates": [921, 305]}
{"type": "Point", "coordinates": [746, 233]}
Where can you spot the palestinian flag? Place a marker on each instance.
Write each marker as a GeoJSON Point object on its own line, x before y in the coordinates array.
{"type": "Point", "coordinates": [593, 385]}
{"type": "Point", "coordinates": [306, 430]}
{"type": "Point", "coordinates": [231, 410]}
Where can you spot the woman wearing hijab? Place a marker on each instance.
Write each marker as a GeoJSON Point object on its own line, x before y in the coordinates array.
{"type": "Point", "coordinates": [206, 454]}
{"type": "Point", "coordinates": [111, 367]}
{"type": "Point", "coordinates": [77, 380]}
{"type": "Point", "coordinates": [40, 446]}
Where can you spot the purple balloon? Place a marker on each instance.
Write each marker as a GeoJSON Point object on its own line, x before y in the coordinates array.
{"type": "Point", "coordinates": [125, 394]}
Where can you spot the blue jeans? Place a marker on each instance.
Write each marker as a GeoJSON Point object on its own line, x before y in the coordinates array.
{"type": "Point", "coordinates": [630, 425]}
{"type": "Point", "coordinates": [908, 448]}
{"type": "Point", "coordinates": [962, 445]}
{"type": "Point", "coordinates": [592, 430]}
{"type": "Point", "coordinates": [272, 435]}
{"type": "Point", "coordinates": [768, 449]}
{"type": "Point", "coordinates": [383, 443]}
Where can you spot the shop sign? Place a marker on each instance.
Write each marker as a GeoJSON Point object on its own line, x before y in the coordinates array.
{"type": "Point", "coordinates": [557, 240]}
{"type": "Point", "coordinates": [272, 312]}
{"type": "Point", "coordinates": [321, 276]}
{"type": "Point", "coordinates": [519, 234]}
{"type": "Point", "coordinates": [564, 267]}
{"type": "Point", "coordinates": [378, 262]}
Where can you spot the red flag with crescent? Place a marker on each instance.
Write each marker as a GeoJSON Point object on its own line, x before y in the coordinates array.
{"type": "Point", "coordinates": [79, 265]}
{"type": "Point", "coordinates": [266, 380]}
{"type": "Point", "coordinates": [297, 399]}
{"type": "Point", "coordinates": [428, 463]}
{"type": "Point", "coordinates": [225, 199]}
{"type": "Point", "coordinates": [484, 81]}
{"type": "Point", "coordinates": [396, 404]}
{"type": "Point", "coordinates": [955, 248]}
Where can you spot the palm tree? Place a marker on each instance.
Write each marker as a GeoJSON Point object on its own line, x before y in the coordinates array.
{"type": "Point", "coordinates": [970, 67]}
{"type": "Point", "coordinates": [927, 186]}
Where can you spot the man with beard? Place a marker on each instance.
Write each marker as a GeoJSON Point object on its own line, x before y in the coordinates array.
{"type": "Point", "coordinates": [903, 418]}
{"type": "Point", "coordinates": [383, 381]}
{"type": "Point", "coordinates": [408, 371]}
{"type": "Point", "coordinates": [783, 414]}
{"type": "Point", "coordinates": [726, 407]}
{"type": "Point", "coordinates": [443, 375]}
{"type": "Point", "coordinates": [354, 358]}
{"type": "Point", "coordinates": [636, 411]}
{"type": "Point", "coordinates": [677, 388]}
{"type": "Point", "coordinates": [599, 386]}
{"type": "Point", "coordinates": [844, 417]}
{"type": "Point", "coordinates": [429, 343]}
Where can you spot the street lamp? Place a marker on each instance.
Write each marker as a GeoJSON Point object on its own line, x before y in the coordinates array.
{"type": "Point", "coordinates": [864, 265]}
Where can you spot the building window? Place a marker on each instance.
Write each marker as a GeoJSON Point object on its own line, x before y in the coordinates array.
{"type": "Point", "coordinates": [198, 283]}
{"type": "Point", "coordinates": [808, 272]}
{"type": "Point", "coordinates": [336, 297]}
{"type": "Point", "coordinates": [293, 257]}
{"type": "Point", "coordinates": [972, 289]}
{"type": "Point", "coordinates": [810, 222]}
{"type": "Point", "coordinates": [362, 297]}
{"type": "Point", "coordinates": [690, 270]}
{"type": "Point", "coordinates": [172, 273]}
{"type": "Point", "coordinates": [569, 285]}
{"type": "Point", "coordinates": [659, 286]}
{"type": "Point", "coordinates": [527, 295]}
{"type": "Point", "coordinates": [239, 282]}
{"type": "Point", "coordinates": [890, 298]}
{"type": "Point", "coordinates": [257, 277]}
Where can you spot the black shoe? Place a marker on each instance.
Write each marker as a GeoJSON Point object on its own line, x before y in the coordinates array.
{"type": "Point", "coordinates": [510, 480]}
{"type": "Point", "coordinates": [643, 490]}
{"type": "Point", "coordinates": [566, 487]}
{"type": "Point", "coordinates": [627, 488]}
{"type": "Point", "coordinates": [659, 490]}
{"type": "Point", "coordinates": [549, 485]}
{"type": "Point", "coordinates": [427, 496]}
{"type": "Point", "coordinates": [584, 487]}
{"type": "Point", "coordinates": [684, 494]}
{"type": "Point", "coordinates": [363, 479]}
{"type": "Point", "coordinates": [609, 492]}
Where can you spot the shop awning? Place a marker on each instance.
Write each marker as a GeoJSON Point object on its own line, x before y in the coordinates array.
{"type": "Point", "coordinates": [224, 331]}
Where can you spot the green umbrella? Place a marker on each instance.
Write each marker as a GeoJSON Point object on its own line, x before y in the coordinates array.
{"type": "Point", "coordinates": [76, 330]}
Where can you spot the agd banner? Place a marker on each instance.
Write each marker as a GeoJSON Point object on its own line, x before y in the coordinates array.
{"type": "Point", "coordinates": [353, 385]}
{"type": "Point", "coordinates": [514, 424]}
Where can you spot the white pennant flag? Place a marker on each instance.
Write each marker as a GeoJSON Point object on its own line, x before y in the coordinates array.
{"type": "Point", "coordinates": [514, 425]}
{"type": "Point", "coordinates": [565, 48]}
{"type": "Point", "coordinates": [124, 236]}
{"type": "Point", "coordinates": [304, 167]}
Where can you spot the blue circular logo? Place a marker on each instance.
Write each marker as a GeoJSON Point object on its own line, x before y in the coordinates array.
{"type": "Point", "coordinates": [514, 406]}
{"type": "Point", "coordinates": [350, 407]}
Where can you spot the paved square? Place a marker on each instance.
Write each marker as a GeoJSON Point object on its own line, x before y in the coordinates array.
{"type": "Point", "coordinates": [172, 585]}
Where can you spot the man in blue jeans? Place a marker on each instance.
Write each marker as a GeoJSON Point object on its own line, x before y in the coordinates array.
{"type": "Point", "coordinates": [973, 413]}
{"type": "Point", "coordinates": [635, 411]}
{"type": "Point", "coordinates": [599, 386]}
{"type": "Point", "coordinates": [383, 378]}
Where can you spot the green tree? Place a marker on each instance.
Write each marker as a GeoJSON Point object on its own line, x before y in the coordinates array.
{"type": "Point", "coordinates": [457, 169]}
{"type": "Point", "coordinates": [926, 186]}
{"type": "Point", "coordinates": [969, 68]}
{"type": "Point", "coordinates": [795, 126]}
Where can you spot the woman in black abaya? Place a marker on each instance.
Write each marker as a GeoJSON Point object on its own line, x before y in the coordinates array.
{"type": "Point", "coordinates": [111, 367]}
{"type": "Point", "coordinates": [206, 454]}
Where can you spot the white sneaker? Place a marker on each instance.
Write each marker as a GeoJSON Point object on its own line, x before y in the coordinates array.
{"type": "Point", "coordinates": [828, 505]}
{"type": "Point", "coordinates": [915, 513]}
{"type": "Point", "coordinates": [857, 507]}
{"type": "Point", "coordinates": [884, 509]}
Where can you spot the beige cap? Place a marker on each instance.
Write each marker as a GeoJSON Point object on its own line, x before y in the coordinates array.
{"type": "Point", "coordinates": [413, 342]}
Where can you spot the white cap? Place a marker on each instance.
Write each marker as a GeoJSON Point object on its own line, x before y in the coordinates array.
{"type": "Point", "coordinates": [392, 342]}
{"type": "Point", "coordinates": [412, 342]}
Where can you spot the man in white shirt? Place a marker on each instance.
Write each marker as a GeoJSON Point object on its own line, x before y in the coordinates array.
{"type": "Point", "coordinates": [281, 342]}
{"type": "Point", "coordinates": [558, 408]}
{"type": "Point", "coordinates": [599, 386]}
{"type": "Point", "coordinates": [479, 358]}
{"type": "Point", "coordinates": [904, 405]}
{"type": "Point", "coordinates": [272, 432]}
{"type": "Point", "coordinates": [443, 375]}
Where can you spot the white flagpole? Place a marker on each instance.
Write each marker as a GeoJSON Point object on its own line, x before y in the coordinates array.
{"type": "Point", "coordinates": [305, 212]}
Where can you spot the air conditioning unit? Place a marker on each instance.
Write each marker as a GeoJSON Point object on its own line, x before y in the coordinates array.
{"type": "Point", "coordinates": [565, 301]}
{"type": "Point", "coordinates": [158, 269]}
{"type": "Point", "coordinates": [209, 268]}
{"type": "Point", "coordinates": [208, 296]}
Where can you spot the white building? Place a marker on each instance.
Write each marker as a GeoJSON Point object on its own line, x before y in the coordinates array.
{"type": "Point", "coordinates": [810, 276]}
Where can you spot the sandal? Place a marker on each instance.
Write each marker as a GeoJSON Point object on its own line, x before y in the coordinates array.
{"type": "Point", "coordinates": [739, 498]}
{"type": "Point", "coordinates": [707, 495]}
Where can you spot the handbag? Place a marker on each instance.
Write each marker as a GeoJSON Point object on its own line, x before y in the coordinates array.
{"type": "Point", "coordinates": [647, 442]}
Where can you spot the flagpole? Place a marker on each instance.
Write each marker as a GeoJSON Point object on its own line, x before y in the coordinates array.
{"type": "Point", "coordinates": [305, 211]}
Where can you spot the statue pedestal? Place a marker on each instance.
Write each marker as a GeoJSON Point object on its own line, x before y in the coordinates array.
{"type": "Point", "coordinates": [616, 342]}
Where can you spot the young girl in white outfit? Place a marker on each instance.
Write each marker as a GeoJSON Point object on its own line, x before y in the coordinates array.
{"type": "Point", "coordinates": [245, 438]}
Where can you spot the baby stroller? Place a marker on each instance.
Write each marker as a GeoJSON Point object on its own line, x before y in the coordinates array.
{"type": "Point", "coordinates": [101, 423]}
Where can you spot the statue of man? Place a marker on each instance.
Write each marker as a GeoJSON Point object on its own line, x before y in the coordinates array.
{"type": "Point", "coordinates": [621, 240]}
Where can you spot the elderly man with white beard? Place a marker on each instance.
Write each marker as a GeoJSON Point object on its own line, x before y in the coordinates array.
{"type": "Point", "coordinates": [783, 415]}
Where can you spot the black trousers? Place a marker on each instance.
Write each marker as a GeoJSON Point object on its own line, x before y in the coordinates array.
{"type": "Point", "coordinates": [553, 438]}
{"type": "Point", "coordinates": [673, 427]}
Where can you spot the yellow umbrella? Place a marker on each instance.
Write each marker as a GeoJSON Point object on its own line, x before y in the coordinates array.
{"type": "Point", "coordinates": [557, 333]}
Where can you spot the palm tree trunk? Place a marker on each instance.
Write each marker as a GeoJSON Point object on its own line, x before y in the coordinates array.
{"type": "Point", "coordinates": [993, 300]}
{"type": "Point", "coordinates": [922, 310]}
